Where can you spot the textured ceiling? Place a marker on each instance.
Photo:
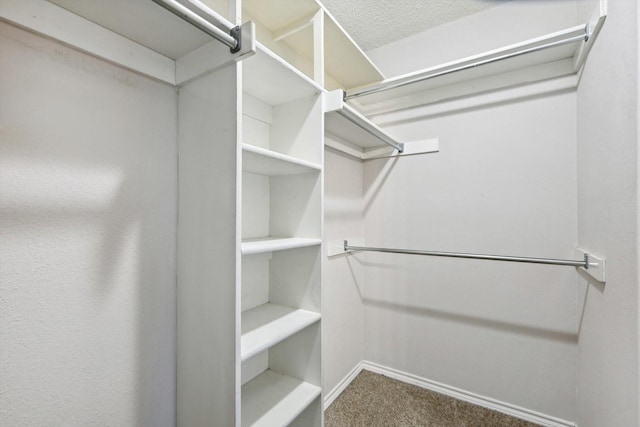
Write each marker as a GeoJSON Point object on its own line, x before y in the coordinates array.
{"type": "Point", "coordinates": [374, 23]}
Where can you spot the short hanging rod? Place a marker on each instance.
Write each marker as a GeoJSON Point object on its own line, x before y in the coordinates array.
{"type": "Point", "coordinates": [583, 35]}
{"type": "Point", "coordinates": [209, 25]}
{"type": "Point", "coordinates": [569, 262]}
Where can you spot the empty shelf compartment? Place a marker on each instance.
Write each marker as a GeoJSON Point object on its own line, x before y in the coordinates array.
{"type": "Point", "coordinates": [268, 324]}
{"type": "Point", "coordinates": [272, 399]}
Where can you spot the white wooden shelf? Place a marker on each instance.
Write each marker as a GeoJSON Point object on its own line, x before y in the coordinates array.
{"type": "Point", "coordinates": [349, 131]}
{"type": "Point", "coordinates": [268, 324]}
{"type": "Point", "coordinates": [147, 23]}
{"type": "Point", "coordinates": [549, 56]}
{"type": "Point", "coordinates": [270, 244]}
{"type": "Point", "coordinates": [138, 35]}
{"type": "Point", "coordinates": [292, 24]}
{"type": "Point", "coordinates": [266, 162]}
{"type": "Point", "coordinates": [344, 61]}
{"type": "Point", "coordinates": [267, 77]}
{"type": "Point", "coordinates": [272, 399]}
{"type": "Point", "coordinates": [344, 122]}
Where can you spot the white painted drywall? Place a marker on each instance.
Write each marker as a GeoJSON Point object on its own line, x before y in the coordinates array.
{"type": "Point", "coordinates": [342, 314]}
{"type": "Point", "coordinates": [608, 372]}
{"type": "Point", "coordinates": [504, 182]}
{"type": "Point", "coordinates": [508, 23]}
{"type": "Point", "coordinates": [88, 239]}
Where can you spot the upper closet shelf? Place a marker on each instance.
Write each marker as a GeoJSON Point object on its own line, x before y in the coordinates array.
{"type": "Point", "coordinates": [553, 55]}
{"type": "Point", "coordinates": [141, 36]}
{"type": "Point", "coordinates": [308, 36]}
{"type": "Point", "coordinates": [268, 78]}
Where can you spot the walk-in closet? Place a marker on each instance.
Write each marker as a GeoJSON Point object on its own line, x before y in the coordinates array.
{"type": "Point", "coordinates": [319, 213]}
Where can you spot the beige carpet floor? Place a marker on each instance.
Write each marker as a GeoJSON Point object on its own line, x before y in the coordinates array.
{"type": "Point", "coordinates": [375, 400]}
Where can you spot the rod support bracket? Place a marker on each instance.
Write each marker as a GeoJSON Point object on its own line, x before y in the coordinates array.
{"type": "Point", "coordinates": [587, 32]}
{"type": "Point", "coordinates": [236, 33]}
{"type": "Point", "coordinates": [346, 244]}
{"type": "Point", "coordinates": [594, 265]}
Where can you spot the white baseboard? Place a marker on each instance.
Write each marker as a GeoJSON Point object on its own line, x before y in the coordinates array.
{"type": "Point", "coordinates": [338, 389]}
{"type": "Point", "coordinates": [456, 393]}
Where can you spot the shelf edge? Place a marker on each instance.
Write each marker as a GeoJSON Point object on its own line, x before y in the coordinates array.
{"type": "Point", "coordinates": [277, 244]}
{"type": "Point", "coordinates": [279, 156]}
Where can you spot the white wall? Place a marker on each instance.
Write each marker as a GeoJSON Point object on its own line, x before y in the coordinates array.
{"type": "Point", "coordinates": [88, 231]}
{"type": "Point", "coordinates": [608, 373]}
{"type": "Point", "coordinates": [509, 23]}
{"type": "Point", "coordinates": [342, 316]}
{"type": "Point", "coordinates": [503, 183]}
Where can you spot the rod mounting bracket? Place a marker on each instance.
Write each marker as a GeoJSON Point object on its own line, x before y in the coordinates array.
{"type": "Point", "coordinates": [236, 33]}
{"type": "Point", "coordinates": [594, 266]}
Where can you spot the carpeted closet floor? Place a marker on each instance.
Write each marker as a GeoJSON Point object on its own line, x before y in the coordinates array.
{"type": "Point", "coordinates": [375, 400]}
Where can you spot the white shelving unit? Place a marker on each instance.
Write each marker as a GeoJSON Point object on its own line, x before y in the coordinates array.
{"type": "Point", "coordinates": [281, 227]}
{"type": "Point", "coordinates": [250, 140]}
{"type": "Point", "coordinates": [305, 34]}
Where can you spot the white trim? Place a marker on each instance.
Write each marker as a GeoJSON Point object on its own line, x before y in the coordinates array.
{"type": "Point", "coordinates": [342, 385]}
{"type": "Point", "coordinates": [456, 393]}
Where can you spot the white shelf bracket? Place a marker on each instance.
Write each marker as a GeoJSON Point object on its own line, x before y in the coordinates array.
{"type": "Point", "coordinates": [596, 265]}
{"type": "Point", "coordinates": [336, 247]}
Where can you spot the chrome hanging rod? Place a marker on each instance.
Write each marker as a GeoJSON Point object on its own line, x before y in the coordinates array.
{"type": "Point", "coordinates": [569, 262]}
{"type": "Point", "coordinates": [404, 81]}
{"type": "Point", "coordinates": [211, 25]}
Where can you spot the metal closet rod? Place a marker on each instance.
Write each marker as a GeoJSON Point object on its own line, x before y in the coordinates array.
{"type": "Point", "coordinates": [568, 262]}
{"type": "Point", "coordinates": [396, 83]}
{"type": "Point", "coordinates": [211, 25]}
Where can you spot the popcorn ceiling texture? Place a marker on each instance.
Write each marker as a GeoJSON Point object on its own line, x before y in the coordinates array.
{"type": "Point", "coordinates": [375, 23]}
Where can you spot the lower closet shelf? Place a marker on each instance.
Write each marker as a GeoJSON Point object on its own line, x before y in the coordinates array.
{"type": "Point", "coordinates": [269, 244]}
{"type": "Point", "coordinates": [268, 324]}
{"type": "Point", "coordinates": [273, 399]}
